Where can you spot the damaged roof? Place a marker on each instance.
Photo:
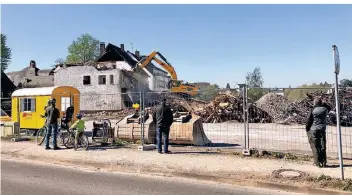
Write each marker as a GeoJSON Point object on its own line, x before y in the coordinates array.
{"type": "Point", "coordinates": [110, 55]}
{"type": "Point", "coordinates": [127, 56]}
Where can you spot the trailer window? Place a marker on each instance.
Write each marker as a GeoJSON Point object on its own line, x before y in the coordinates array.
{"type": "Point", "coordinates": [27, 105]}
{"type": "Point", "coordinates": [65, 103]}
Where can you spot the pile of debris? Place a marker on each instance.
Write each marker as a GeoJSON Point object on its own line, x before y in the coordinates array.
{"type": "Point", "coordinates": [230, 108]}
{"type": "Point", "coordinates": [286, 112]}
{"type": "Point", "coordinates": [281, 109]}
{"type": "Point", "coordinates": [107, 114]}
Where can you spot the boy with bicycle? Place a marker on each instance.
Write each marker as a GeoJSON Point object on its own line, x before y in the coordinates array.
{"type": "Point", "coordinates": [79, 126]}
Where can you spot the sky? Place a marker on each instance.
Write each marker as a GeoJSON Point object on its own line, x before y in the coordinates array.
{"type": "Point", "coordinates": [292, 44]}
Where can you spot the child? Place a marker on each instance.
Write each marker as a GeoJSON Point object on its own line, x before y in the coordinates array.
{"type": "Point", "coordinates": [79, 126]}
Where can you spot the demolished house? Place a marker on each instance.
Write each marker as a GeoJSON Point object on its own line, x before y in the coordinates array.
{"type": "Point", "coordinates": [110, 84]}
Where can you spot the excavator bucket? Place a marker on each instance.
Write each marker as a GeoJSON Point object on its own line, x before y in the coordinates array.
{"type": "Point", "coordinates": [186, 129]}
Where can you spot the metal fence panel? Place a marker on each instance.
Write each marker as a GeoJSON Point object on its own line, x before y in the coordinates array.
{"type": "Point", "coordinates": [222, 125]}
{"type": "Point", "coordinates": [285, 115]}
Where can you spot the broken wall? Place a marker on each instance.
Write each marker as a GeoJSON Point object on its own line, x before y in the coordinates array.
{"type": "Point", "coordinates": [95, 96]}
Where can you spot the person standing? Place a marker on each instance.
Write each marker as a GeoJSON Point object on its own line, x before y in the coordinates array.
{"type": "Point", "coordinates": [163, 119]}
{"type": "Point", "coordinates": [316, 131]}
{"type": "Point", "coordinates": [52, 115]}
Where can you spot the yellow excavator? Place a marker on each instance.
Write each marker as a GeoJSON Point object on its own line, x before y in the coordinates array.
{"type": "Point", "coordinates": [174, 85]}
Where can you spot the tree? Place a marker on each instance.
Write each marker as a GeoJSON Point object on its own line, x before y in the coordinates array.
{"type": "Point", "coordinates": [346, 83]}
{"type": "Point", "coordinates": [255, 81]}
{"type": "Point", "coordinates": [82, 50]}
{"type": "Point", "coordinates": [59, 61]}
{"type": "Point", "coordinates": [228, 86]}
{"type": "Point", "coordinates": [209, 93]}
{"type": "Point", "coordinates": [5, 53]}
{"type": "Point", "coordinates": [300, 92]}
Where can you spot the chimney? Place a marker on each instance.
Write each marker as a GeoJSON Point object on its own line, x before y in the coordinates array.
{"type": "Point", "coordinates": [122, 46]}
{"type": "Point", "coordinates": [102, 48]}
{"type": "Point", "coordinates": [137, 53]}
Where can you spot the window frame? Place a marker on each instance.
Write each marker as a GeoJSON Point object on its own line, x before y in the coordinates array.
{"type": "Point", "coordinates": [90, 80]}
{"type": "Point", "coordinates": [28, 104]}
{"type": "Point", "coordinates": [99, 79]}
{"type": "Point", "coordinates": [111, 79]}
{"type": "Point", "coordinates": [65, 103]}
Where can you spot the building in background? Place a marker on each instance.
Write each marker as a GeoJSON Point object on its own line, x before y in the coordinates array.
{"type": "Point", "coordinates": [31, 77]}
{"type": "Point", "coordinates": [7, 87]}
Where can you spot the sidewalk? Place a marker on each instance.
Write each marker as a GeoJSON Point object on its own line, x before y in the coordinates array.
{"type": "Point", "coordinates": [132, 160]}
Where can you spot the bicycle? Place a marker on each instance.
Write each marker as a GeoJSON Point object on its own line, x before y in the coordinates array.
{"type": "Point", "coordinates": [69, 140]}
{"type": "Point", "coordinates": [41, 134]}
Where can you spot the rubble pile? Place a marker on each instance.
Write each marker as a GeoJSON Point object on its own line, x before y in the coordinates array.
{"type": "Point", "coordinates": [270, 108]}
{"type": "Point", "coordinates": [230, 108]}
{"type": "Point", "coordinates": [284, 111]}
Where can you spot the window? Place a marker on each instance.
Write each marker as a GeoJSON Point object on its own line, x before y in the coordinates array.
{"type": "Point", "coordinates": [102, 79]}
{"type": "Point", "coordinates": [28, 105]}
{"type": "Point", "coordinates": [86, 80]}
{"type": "Point", "coordinates": [161, 84]}
{"type": "Point", "coordinates": [65, 103]}
{"type": "Point", "coordinates": [111, 79]}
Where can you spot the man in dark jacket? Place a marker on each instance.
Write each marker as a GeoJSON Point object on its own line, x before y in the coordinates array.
{"type": "Point", "coordinates": [163, 118]}
{"type": "Point", "coordinates": [316, 131]}
{"type": "Point", "coordinates": [52, 115]}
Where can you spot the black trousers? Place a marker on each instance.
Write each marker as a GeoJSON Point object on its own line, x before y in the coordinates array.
{"type": "Point", "coordinates": [317, 141]}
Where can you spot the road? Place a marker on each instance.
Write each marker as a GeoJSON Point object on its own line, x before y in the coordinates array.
{"type": "Point", "coordinates": [19, 178]}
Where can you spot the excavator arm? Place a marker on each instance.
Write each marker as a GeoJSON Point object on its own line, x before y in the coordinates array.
{"type": "Point", "coordinates": [174, 85]}
{"type": "Point", "coordinates": [167, 66]}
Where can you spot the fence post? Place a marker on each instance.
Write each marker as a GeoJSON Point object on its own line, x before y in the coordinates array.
{"type": "Point", "coordinates": [141, 111]}
{"type": "Point", "coordinates": [247, 117]}
{"type": "Point", "coordinates": [244, 115]}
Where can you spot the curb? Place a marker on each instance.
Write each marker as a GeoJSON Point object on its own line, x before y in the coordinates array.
{"type": "Point", "coordinates": [132, 169]}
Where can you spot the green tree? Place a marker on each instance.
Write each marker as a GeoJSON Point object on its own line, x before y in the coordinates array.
{"type": "Point", "coordinates": [255, 81]}
{"type": "Point", "coordinates": [300, 92]}
{"type": "Point", "coordinates": [84, 49]}
{"type": "Point", "coordinates": [5, 53]}
{"type": "Point", "coordinates": [209, 93]}
{"type": "Point", "coordinates": [346, 83]}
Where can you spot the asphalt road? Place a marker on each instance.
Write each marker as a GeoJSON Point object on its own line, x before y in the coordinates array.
{"type": "Point", "coordinates": [23, 178]}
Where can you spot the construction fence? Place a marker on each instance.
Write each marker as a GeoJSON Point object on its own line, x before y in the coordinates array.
{"type": "Point", "coordinates": [247, 118]}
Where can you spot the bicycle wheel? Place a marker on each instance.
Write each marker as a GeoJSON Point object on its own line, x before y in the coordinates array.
{"type": "Point", "coordinates": [68, 139]}
{"type": "Point", "coordinates": [60, 134]}
{"type": "Point", "coordinates": [41, 133]}
{"type": "Point", "coordinates": [83, 142]}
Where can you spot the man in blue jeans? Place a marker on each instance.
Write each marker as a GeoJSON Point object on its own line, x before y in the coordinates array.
{"type": "Point", "coordinates": [163, 119]}
{"type": "Point", "coordinates": [52, 115]}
